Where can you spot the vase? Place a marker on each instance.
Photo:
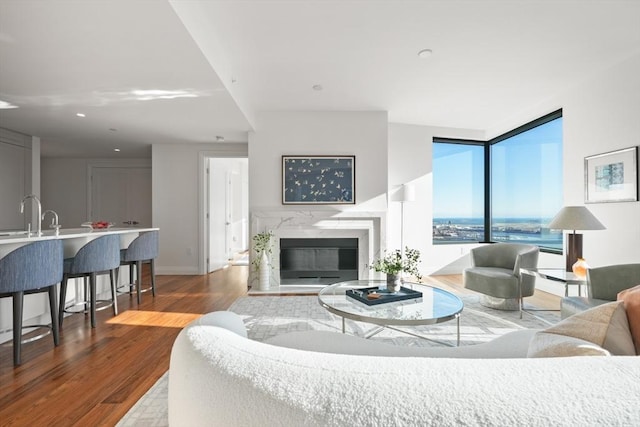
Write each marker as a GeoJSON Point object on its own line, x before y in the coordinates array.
{"type": "Point", "coordinates": [265, 271]}
{"type": "Point", "coordinates": [394, 282]}
{"type": "Point", "coordinates": [580, 268]}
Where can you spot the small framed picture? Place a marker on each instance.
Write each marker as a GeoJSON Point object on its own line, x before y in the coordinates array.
{"type": "Point", "coordinates": [318, 180]}
{"type": "Point", "coordinates": [612, 177]}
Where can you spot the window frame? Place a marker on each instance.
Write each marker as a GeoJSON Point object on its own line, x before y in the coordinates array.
{"type": "Point", "coordinates": [487, 170]}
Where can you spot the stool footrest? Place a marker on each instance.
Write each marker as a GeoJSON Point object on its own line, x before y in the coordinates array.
{"type": "Point", "coordinates": [31, 339]}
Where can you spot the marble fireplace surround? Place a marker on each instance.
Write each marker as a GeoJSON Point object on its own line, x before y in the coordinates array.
{"type": "Point", "coordinates": [368, 227]}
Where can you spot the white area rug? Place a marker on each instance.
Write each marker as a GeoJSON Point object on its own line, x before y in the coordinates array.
{"type": "Point", "coordinates": [267, 316]}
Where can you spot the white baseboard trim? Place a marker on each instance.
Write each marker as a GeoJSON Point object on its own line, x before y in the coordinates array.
{"type": "Point", "coordinates": [176, 270]}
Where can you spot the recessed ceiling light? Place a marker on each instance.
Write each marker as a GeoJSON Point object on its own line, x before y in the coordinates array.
{"type": "Point", "coordinates": [81, 115]}
{"type": "Point", "coordinates": [316, 87]}
{"type": "Point", "coordinates": [117, 150]}
{"type": "Point", "coordinates": [425, 53]}
{"type": "Point", "coordinates": [219, 138]}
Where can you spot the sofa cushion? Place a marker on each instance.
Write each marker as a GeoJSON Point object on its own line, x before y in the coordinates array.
{"type": "Point", "coordinates": [546, 344]}
{"type": "Point", "coordinates": [508, 346]}
{"type": "Point", "coordinates": [631, 300]}
{"type": "Point", "coordinates": [605, 325]}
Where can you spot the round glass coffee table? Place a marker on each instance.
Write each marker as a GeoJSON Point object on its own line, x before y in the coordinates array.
{"type": "Point", "coordinates": [434, 306]}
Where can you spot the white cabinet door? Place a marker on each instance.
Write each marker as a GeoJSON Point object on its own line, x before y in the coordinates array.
{"type": "Point", "coordinates": [121, 195]}
{"type": "Point", "coordinates": [12, 187]}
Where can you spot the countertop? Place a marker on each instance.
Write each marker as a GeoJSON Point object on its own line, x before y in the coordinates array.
{"type": "Point", "coordinates": [69, 233]}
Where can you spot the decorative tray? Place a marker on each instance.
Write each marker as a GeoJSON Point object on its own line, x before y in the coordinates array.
{"type": "Point", "coordinates": [97, 225]}
{"type": "Point", "coordinates": [375, 295]}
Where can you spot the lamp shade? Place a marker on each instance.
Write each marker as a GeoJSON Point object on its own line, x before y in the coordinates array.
{"type": "Point", "coordinates": [575, 218]}
{"type": "Point", "coordinates": [408, 193]}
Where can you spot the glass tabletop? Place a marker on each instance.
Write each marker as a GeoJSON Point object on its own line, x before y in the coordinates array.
{"type": "Point", "coordinates": [435, 305]}
{"type": "Point", "coordinates": [558, 274]}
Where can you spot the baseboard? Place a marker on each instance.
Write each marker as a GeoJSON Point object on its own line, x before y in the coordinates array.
{"type": "Point", "coordinates": [177, 271]}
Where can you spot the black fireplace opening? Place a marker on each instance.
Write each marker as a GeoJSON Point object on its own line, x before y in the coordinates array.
{"type": "Point", "coordinates": [320, 261]}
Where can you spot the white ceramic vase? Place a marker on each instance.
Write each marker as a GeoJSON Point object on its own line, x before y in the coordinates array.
{"type": "Point", "coordinates": [394, 282]}
{"type": "Point", "coordinates": [265, 272]}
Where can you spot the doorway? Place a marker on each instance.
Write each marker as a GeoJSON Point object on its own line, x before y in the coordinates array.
{"type": "Point", "coordinates": [227, 210]}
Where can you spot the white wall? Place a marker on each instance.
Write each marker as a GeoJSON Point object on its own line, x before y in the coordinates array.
{"type": "Point", "coordinates": [363, 134]}
{"type": "Point", "coordinates": [178, 198]}
{"type": "Point", "coordinates": [601, 116]}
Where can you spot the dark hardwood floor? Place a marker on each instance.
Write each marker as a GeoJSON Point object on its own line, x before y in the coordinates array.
{"type": "Point", "coordinates": [95, 376]}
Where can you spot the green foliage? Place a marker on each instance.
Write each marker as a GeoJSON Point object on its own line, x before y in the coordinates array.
{"type": "Point", "coordinates": [261, 243]}
{"type": "Point", "coordinates": [393, 263]}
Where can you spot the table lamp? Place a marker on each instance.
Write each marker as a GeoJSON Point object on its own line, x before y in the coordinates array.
{"type": "Point", "coordinates": [574, 218]}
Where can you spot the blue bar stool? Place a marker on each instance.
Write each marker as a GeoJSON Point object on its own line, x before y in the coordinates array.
{"type": "Point", "coordinates": [35, 267]}
{"type": "Point", "coordinates": [99, 256]}
{"type": "Point", "coordinates": [142, 249]}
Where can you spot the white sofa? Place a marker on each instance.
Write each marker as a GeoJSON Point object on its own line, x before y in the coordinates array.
{"type": "Point", "coordinates": [220, 377]}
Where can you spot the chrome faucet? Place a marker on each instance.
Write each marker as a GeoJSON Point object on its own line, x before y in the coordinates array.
{"type": "Point", "coordinates": [36, 200]}
{"type": "Point", "coordinates": [54, 220]}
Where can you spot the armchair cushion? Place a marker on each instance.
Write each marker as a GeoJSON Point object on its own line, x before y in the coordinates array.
{"type": "Point", "coordinates": [631, 301]}
{"type": "Point", "coordinates": [606, 282]}
{"type": "Point", "coordinates": [495, 270]}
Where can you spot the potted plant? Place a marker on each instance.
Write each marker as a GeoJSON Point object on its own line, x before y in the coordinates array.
{"type": "Point", "coordinates": [394, 264]}
{"type": "Point", "coordinates": [262, 247]}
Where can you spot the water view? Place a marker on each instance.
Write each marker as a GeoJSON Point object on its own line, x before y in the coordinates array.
{"type": "Point", "coordinates": [515, 230]}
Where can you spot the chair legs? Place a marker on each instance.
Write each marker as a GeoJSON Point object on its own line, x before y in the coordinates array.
{"type": "Point", "coordinates": [53, 308]}
{"type": "Point", "coordinates": [18, 304]}
{"type": "Point", "coordinates": [135, 278]}
{"type": "Point", "coordinates": [63, 299]}
{"type": "Point", "coordinates": [18, 299]}
{"type": "Point", "coordinates": [113, 277]}
{"type": "Point", "coordinates": [90, 290]}
{"type": "Point", "coordinates": [92, 296]}
{"type": "Point", "coordinates": [153, 276]}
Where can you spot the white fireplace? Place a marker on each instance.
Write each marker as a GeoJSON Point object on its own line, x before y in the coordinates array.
{"type": "Point", "coordinates": [368, 227]}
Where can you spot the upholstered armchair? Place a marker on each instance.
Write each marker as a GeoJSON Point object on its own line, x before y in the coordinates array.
{"type": "Point", "coordinates": [603, 285]}
{"type": "Point", "coordinates": [495, 273]}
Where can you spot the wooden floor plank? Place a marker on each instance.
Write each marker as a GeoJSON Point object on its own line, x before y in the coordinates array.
{"type": "Point", "coordinates": [96, 375]}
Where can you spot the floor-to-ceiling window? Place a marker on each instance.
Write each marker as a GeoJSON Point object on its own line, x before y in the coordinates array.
{"type": "Point", "coordinates": [526, 183]}
{"type": "Point", "coordinates": [458, 191]}
{"type": "Point", "coordinates": [505, 189]}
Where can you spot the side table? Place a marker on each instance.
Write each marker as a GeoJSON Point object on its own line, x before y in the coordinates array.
{"type": "Point", "coordinates": [558, 275]}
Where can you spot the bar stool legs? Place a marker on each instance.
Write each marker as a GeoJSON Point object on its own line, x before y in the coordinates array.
{"type": "Point", "coordinates": [135, 278]}
{"type": "Point", "coordinates": [90, 292]}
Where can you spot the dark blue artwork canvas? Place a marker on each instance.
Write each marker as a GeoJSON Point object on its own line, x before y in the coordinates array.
{"type": "Point", "coordinates": [308, 180]}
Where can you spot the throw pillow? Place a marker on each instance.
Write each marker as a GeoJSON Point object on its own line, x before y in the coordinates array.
{"type": "Point", "coordinates": [605, 326]}
{"type": "Point", "coordinates": [631, 300]}
{"type": "Point", "coordinates": [553, 345]}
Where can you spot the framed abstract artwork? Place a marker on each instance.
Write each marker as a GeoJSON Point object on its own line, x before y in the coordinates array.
{"type": "Point", "coordinates": [318, 180]}
{"type": "Point", "coordinates": [612, 177]}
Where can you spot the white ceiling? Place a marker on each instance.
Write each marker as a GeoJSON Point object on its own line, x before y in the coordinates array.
{"type": "Point", "coordinates": [230, 60]}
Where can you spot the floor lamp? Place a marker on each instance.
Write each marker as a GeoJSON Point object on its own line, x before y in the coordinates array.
{"type": "Point", "coordinates": [407, 194]}
{"type": "Point", "coordinates": [574, 218]}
